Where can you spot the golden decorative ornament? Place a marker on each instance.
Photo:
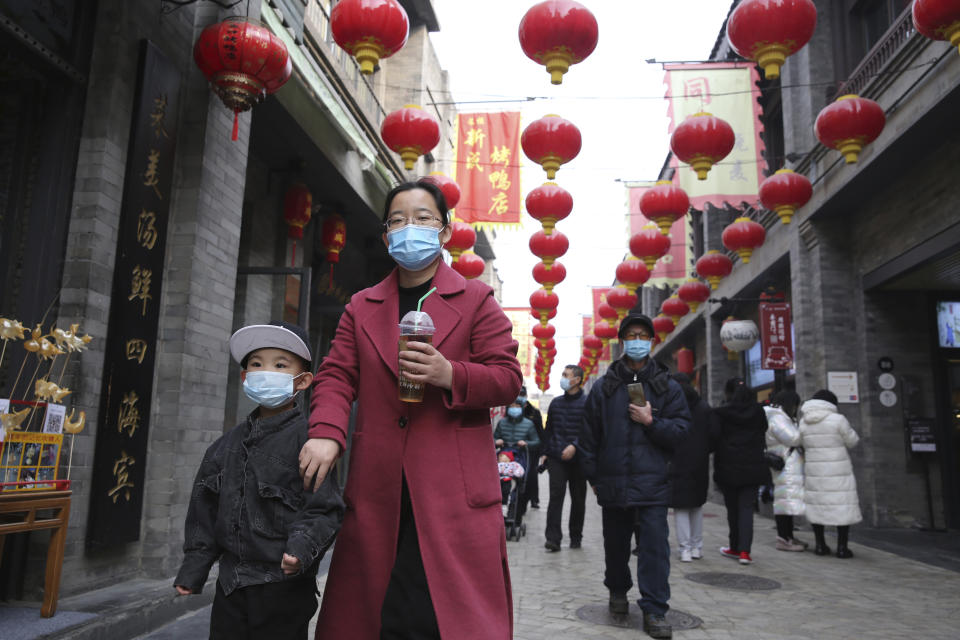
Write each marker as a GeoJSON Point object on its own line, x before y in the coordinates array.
{"type": "Point", "coordinates": [11, 329]}
{"type": "Point", "coordinates": [71, 427]}
{"type": "Point", "coordinates": [12, 421]}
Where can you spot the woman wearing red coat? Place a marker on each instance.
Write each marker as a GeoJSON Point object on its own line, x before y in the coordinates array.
{"type": "Point", "coordinates": [422, 552]}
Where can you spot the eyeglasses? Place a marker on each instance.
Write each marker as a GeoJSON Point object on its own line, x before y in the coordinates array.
{"type": "Point", "coordinates": [637, 336]}
{"type": "Point", "coordinates": [423, 219]}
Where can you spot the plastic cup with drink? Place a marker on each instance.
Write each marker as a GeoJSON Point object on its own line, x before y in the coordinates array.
{"type": "Point", "coordinates": [415, 326]}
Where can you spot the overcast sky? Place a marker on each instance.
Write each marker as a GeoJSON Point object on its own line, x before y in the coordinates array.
{"type": "Point", "coordinates": [616, 100]}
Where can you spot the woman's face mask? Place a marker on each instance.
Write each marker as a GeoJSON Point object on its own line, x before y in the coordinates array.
{"type": "Point", "coordinates": [414, 247]}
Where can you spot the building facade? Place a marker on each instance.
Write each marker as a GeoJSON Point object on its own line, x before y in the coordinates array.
{"type": "Point", "coordinates": [869, 265]}
{"type": "Point", "coordinates": [75, 77]}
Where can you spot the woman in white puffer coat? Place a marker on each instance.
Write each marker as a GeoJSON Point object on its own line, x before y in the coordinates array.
{"type": "Point", "coordinates": [830, 488]}
{"type": "Point", "coordinates": [783, 439]}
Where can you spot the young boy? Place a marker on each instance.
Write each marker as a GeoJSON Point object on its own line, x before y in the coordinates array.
{"type": "Point", "coordinates": [249, 510]}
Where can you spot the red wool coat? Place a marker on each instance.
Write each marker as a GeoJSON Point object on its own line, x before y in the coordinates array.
{"type": "Point", "coordinates": [445, 448]}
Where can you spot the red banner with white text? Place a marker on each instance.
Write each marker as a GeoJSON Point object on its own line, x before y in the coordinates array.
{"type": "Point", "coordinates": [775, 336]}
{"type": "Point", "coordinates": [487, 169]}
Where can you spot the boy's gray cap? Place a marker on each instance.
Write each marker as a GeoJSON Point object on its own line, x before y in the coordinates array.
{"type": "Point", "coordinates": [276, 335]}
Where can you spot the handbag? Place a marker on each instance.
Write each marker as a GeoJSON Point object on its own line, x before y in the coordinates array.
{"type": "Point", "coordinates": [774, 461]}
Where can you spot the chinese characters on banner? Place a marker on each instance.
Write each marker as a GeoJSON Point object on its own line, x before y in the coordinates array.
{"type": "Point", "coordinates": [522, 323]}
{"type": "Point", "coordinates": [729, 91]}
{"type": "Point", "coordinates": [775, 336]}
{"type": "Point", "coordinates": [116, 496]}
{"type": "Point", "coordinates": [599, 295]}
{"type": "Point", "coordinates": [488, 168]}
{"type": "Point", "coordinates": [673, 268]}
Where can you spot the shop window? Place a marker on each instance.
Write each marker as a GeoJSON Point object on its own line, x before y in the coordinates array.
{"type": "Point", "coordinates": [869, 21]}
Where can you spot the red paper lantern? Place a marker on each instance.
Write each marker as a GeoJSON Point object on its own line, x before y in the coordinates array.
{"type": "Point", "coordinates": [550, 142]}
{"type": "Point", "coordinates": [550, 316]}
{"type": "Point", "coordinates": [938, 19]}
{"type": "Point", "coordinates": [243, 61]}
{"type": "Point", "coordinates": [297, 207]}
{"type": "Point", "coordinates": [849, 124]}
{"type": "Point", "coordinates": [333, 236]}
{"type": "Point", "coordinates": [664, 204]}
{"type": "Point", "coordinates": [451, 190]}
{"type": "Point", "coordinates": [784, 192]}
{"type": "Point", "coordinates": [470, 265]}
{"type": "Point", "coordinates": [632, 273]}
{"type": "Point", "coordinates": [714, 266]}
{"type": "Point", "coordinates": [549, 276]}
{"type": "Point", "coordinates": [621, 300]}
{"type": "Point", "coordinates": [369, 29]}
{"type": "Point", "coordinates": [675, 308]}
{"type": "Point", "coordinates": [548, 247]}
{"type": "Point", "coordinates": [411, 132]}
{"type": "Point", "coordinates": [606, 312]}
{"type": "Point", "coordinates": [663, 326]}
{"type": "Point", "coordinates": [592, 344]}
{"type": "Point", "coordinates": [767, 31]}
{"type": "Point", "coordinates": [702, 140]}
{"type": "Point", "coordinates": [557, 34]}
{"type": "Point", "coordinates": [543, 332]}
{"type": "Point", "coordinates": [543, 302]}
{"type": "Point", "coordinates": [605, 331]}
{"type": "Point", "coordinates": [649, 245]}
{"type": "Point", "coordinates": [694, 292]}
{"type": "Point", "coordinates": [685, 361]}
{"type": "Point", "coordinates": [743, 236]}
{"type": "Point", "coordinates": [462, 237]}
{"type": "Point", "coordinates": [549, 203]}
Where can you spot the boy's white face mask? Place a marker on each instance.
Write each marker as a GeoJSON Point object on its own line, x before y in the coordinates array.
{"type": "Point", "coordinates": [269, 389]}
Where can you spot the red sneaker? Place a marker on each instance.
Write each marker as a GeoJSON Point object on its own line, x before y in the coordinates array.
{"type": "Point", "coordinates": [729, 553]}
{"type": "Point", "coordinates": [745, 558]}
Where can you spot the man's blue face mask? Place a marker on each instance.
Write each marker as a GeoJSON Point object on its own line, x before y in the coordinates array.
{"type": "Point", "coordinates": [637, 350]}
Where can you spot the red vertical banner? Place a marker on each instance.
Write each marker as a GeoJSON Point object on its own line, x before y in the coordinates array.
{"type": "Point", "coordinates": [599, 295]}
{"type": "Point", "coordinates": [775, 336]}
{"type": "Point", "coordinates": [488, 168]}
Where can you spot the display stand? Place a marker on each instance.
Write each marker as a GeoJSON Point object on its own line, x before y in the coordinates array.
{"type": "Point", "coordinates": [21, 512]}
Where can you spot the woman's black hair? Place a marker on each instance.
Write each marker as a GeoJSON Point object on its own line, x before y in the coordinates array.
{"type": "Point", "coordinates": [825, 394]}
{"type": "Point", "coordinates": [427, 186]}
{"type": "Point", "coordinates": [787, 400]}
{"type": "Point", "coordinates": [737, 392]}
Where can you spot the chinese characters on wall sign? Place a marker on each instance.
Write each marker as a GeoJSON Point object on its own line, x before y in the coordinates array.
{"type": "Point", "coordinates": [116, 499]}
{"type": "Point", "coordinates": [488, 168]}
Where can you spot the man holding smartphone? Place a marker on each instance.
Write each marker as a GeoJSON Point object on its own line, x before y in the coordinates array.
{"type": "Point", "coordinates": [624, 449]}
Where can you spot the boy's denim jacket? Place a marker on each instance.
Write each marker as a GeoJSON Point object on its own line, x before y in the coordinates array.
{"type": "Point", "coordinates": [249, 507]}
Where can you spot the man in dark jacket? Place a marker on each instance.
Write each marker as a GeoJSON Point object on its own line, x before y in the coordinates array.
{"type": "Point", "coordinates": [625, 451]}
{"type": "Point", "coordinates": [564, 420]}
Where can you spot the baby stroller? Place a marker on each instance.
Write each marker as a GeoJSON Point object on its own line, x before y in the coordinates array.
{"type": "Point", "coordinates": [512, 518]}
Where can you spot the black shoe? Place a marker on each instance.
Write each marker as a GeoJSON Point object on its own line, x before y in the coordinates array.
{"type": "Point", "coordinates": [534, 505]}
{"type": "Point", "coordinates": [822, 550]}
{"type": "Point", "coordinates": [575, 544]}
{"type": "Point", "coordinates": [843, 552]}
{"type": "Point", "coordinates": [656, 626]}
{"type": "Point", "coordinates": [551, 546]}
{"type": "Point", "coordinates": [619, 604]}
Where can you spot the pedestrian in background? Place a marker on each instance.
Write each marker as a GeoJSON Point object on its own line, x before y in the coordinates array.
{"type": "Point", "coordinates": [533, 414]}
{"type": "Point", "coordinates": [830, 488]}
{"type": "Point", "coordinates": [689, 474]}
{"type": "Point", "coordinates": [626, 449]}
{"type": "Point", "coordinates": [561, 434]}
{"type": "Point", "coordinates": [783, 440]}
{"type": "Point", "coordinates": [739, 465]}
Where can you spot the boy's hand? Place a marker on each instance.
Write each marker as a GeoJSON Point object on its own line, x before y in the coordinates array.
{"type": "Point", "coordinates": [183, 591]}
{"type": "Point", "coordinates": [290, 564]}
{"type": "Point", "coordinates": [421, 362]}
{"type": "Point", "coordinates": [316, 458]}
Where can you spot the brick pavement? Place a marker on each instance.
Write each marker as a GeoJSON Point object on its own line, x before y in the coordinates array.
{"type": "Point", "coordinates": [874, 595]}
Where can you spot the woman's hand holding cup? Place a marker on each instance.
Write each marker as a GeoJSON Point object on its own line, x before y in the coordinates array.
{"type": "Point", "coordinates": [421, 362]}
